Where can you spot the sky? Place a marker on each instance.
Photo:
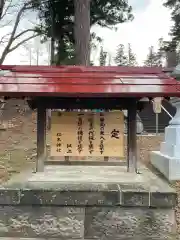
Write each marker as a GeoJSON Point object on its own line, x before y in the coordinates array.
{"type": "Point", "coordinates": [151, 22]}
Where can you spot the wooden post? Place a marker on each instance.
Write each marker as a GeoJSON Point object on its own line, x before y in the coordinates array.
{"type": "Point", "coordinates": [41, 138]}
{"type": "Point", "coordinates": [66, 158]}
{"type": "Point", "coordinates": [106, 159]}
{"type": "Point", "coordinates": [131, 137]}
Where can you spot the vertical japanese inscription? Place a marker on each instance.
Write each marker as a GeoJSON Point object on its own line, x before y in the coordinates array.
{"type": "Point", "coordinates": [102, 138]}
{"type": "Point", "coordinates": [87, 134]}
{"type": "Point", "coordinates": [58, 142]}
{"type": "Point", "coordinates": [80, 133]}
{"type": "Point", "coordinates": [69, 148]}
{"type": "Point", "coordinates": [91, 133]}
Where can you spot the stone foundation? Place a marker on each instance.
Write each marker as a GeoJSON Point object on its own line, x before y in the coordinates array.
{"type": "Point", "coordinates": [168, 166]}
{"type": "Point", "coordinates": [87, 223]}
{"type": "Point", "coordinates": [167, 160]}
{"type": "Point", "coordinates": [102, 203]}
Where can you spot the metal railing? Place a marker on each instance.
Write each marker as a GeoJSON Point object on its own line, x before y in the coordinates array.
{"type": "Point", "coordinates": [165, 110]}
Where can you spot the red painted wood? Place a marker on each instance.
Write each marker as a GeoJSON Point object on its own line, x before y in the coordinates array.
{"type": "Point", "coordinates": [86, 81]}
{"type": "Point", "coordinates": [78, 69]}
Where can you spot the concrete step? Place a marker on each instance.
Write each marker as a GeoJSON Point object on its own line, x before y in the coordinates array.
{"type": "Point", "coordinates": [87, 202]}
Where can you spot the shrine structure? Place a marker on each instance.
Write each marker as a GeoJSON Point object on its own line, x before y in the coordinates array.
{"type": "Point", "coordinates": [92, 200]}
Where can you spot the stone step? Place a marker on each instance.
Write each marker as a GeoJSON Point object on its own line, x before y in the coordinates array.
{"type": "Point", "coordinates": [93, 222]}
{"type": "Point", "coordinates": [85, 203]}
{"type": "Point", "coordinates": [14, 238]}
{"type": "Point", "coordinates": [88, 223]}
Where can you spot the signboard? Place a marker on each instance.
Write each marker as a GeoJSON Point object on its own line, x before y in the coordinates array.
{"type": "Point", "coordinates": [157, 104]}
{"type": "Point", "coordinates": [87, 134]}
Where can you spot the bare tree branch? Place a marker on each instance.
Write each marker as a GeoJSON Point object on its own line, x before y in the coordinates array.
{"type": "Point", "coordinates": [6, 24]}
{"type": "Point", "coordinates": [2, 40]}
{"type": "Point", "coordinates": [5, 10]}
{"type": "Point", "coordinates": [13, 36]}
{"type": "Point", "coordinates": [22, 33]}
{"type": "Point", "coordinates": [23, 41]}
{"type": "Point", "coordinates": [16, 25]}
{"type": "Point", "coordinates": [1, 7]}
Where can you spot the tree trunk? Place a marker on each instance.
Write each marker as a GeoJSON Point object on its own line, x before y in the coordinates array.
{"type": "Point", "coordinates": [1, 7]}
{"type": "Point", "coordinates": [82, 34]}
{"type": "Point", "coordinates": [82, 31]}
{"type": "Point", "coordinates": [52, 13]}
{"type": "Point", "coordinates": [52, 58]}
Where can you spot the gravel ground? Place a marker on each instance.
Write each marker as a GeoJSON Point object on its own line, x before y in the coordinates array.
{"type": "Point", "coordinates": [18, 144]}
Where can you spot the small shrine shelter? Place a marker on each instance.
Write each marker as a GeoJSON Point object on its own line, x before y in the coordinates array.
{"type": "Point", "coordinates": [76, 133]}
{"type": "Point", "coordinates": [84, 201]}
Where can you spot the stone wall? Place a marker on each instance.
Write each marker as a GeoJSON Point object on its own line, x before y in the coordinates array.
{"type": "Point", "coordinates": [89, 211]}
{"type": "Point", "coordinates": [87, 223]}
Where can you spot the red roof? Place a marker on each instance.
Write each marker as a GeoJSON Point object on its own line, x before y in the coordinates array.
{"type": "Point", "coordinates": [86, 81]}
